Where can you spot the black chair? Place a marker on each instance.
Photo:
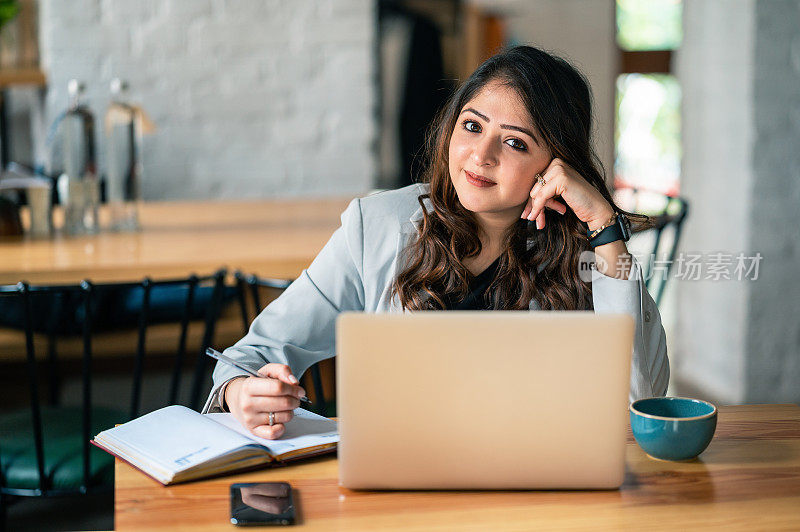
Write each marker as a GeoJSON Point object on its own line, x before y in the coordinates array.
{"type": "Point", "coordinates": [45, 449]}
{"type": "Point", "coordinates": [258, 289]}
{"type": "Point", "coordinates": [667, 214]}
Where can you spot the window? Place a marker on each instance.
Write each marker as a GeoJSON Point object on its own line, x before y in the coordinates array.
{"type": "Point", "coordinates": [647, 133]}
{"type": "Point", "coordinates": [649, 24]}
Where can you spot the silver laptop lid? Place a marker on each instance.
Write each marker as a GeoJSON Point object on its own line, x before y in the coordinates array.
{"type": "Point", "coordinates": [482, 400]}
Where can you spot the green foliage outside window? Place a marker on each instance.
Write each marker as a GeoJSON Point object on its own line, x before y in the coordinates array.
{"type": "Point", "coordinates": [648, 132]}
{"type": "Point", "coordinates": [8, 10]}
{"type": "Point", "coordinates": [649, 24]}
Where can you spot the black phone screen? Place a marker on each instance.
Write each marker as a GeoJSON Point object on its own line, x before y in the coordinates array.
{"type": "Point", "coordinates": [262, 503]}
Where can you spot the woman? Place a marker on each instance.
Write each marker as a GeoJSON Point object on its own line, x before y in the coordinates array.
{"type": "Point", "coordinates": [511, 198]}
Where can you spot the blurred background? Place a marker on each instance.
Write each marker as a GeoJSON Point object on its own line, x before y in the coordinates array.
{"type": "Point", "coordinates": [697, 107]}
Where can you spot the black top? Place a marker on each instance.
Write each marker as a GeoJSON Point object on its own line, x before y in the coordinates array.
{"type": "Point", "coordinates": [477, 289]}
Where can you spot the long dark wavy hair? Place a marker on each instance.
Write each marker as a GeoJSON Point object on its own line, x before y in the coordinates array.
{"type": "Point", "coordinates": [559, 101]}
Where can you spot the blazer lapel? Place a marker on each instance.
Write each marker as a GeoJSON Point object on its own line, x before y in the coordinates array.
{"type": "Point", "coordinates": [408, 230]}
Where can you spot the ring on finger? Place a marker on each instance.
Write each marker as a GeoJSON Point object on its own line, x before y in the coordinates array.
{"type": "Point", "coordinates": [540, 179]}
{"type": "Point", "coordinates": [271, 418]}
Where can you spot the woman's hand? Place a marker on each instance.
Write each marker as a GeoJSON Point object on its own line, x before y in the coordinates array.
{"type": "Point", "coordinates": [251, 399]}
{"type": "Point", "coordinates": [562, 180]}
{"type": "Point", "coordinates": [612, 259]}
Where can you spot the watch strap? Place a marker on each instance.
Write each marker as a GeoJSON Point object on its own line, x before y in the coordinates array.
{"type": "Point", "coordinates": [610, 234]}
{"type": "Point", "coordinates": [611, 221]}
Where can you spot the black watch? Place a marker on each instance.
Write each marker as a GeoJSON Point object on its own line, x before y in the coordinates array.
{"type": "Point", "coordinates": [621, 230]}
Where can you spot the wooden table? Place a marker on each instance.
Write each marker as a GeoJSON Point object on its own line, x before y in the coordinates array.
{"type": "Point", "coordinates": [272, 238]}
{"type": "Point", "coordinates": [277, 238]}
{"type": "Point", "coordinates": [747, 479]}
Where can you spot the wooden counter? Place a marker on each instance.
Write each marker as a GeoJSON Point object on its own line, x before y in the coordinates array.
{"type": "Point", "coordinates": [747, 479]}
{"type": "Point", "coordinates": [272, 238]}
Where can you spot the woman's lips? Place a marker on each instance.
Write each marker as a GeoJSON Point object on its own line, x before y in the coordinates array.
{"type": "Point", "coordinates": [478, 181]}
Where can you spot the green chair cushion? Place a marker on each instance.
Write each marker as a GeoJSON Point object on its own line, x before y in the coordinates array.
{"type": "Point", "coordinates": [63, 452]}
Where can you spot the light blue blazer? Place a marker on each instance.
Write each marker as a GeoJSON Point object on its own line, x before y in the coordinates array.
{"type": "Point", "coordinates": [355, 271]}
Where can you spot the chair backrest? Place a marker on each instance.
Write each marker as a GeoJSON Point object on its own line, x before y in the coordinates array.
{"type": "Point", "coordinates": [64, 309]}
{"type": "Point", "coordinates": [256, 288]}
{"type": "Point", "coordinates": [661, 239]}
{"type": "Point", "coordinates": [259, 290]}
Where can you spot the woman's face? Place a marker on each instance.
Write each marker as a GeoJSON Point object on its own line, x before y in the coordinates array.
{"type": "Point", "coordinates": [494, 140]}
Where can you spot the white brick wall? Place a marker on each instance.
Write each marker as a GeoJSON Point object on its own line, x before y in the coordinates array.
{"type": "Point", "coordinates": [252, 98]}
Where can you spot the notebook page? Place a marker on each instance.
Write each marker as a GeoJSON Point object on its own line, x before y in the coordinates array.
{"type": "Point", "coordinates": [305, 430]}
{"type": "Point", "coordinates": [175, 437]}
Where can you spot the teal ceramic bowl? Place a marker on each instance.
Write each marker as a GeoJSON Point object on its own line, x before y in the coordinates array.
{"type": "Point", "coordinates": [673, 428]}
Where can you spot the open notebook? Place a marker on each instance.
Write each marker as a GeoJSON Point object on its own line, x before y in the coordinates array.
{"type": "Point", "coordinates": [176, 444]}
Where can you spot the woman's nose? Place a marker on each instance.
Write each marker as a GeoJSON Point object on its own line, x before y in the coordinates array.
{"type": "Point", "coordinates": [483, 153]}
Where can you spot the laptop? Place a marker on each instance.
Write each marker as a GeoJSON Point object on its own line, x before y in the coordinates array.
{"type": "Point", "coordinates": [483, 399]}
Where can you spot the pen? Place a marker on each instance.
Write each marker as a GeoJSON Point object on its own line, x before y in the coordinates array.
{"type": "Point", "coordinates": [213, 353]}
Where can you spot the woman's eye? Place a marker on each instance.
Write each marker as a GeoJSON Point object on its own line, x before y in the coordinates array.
{"type": "Point", "coordinates": [471, 125]}
{"type": "Point", "coordinates": [517, 144]}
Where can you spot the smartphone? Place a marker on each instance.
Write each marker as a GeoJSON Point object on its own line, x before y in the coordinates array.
{"type": "Point", "coordinates": [262, 503]}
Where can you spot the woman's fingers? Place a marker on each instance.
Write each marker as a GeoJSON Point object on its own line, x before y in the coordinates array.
{"type": "Point", "coordinates": [270, 433]}
{"type": "Point", "coordinates": [557, 206]}
{"type": "Point", "coordinates": [256, 414]}
{"type": "Point", "coordinates": [262, 418]}
{"type": "Point", "coordinates": [544, 198]}
{"type": "Point", "coordinates": [535, 190]}
{"type": "Point", "coordinates": [272, 392]}
{"type": "Point", "coordinates": [527, 210]}
{"type": "Point", "coordinates": [283, 403]}
{"type": "Point", "coordinates": [540, 220]}
{"type": "Point", "coordinates": [258, 423]}
{"type": "Point", "coordinates": [529, 207]}
{"type": "Point", "coordinates": [281, 372]}
{"type": "Point", "coordinates": [266, 386]}
{"type": "Point", "coordinates": [541, 197]}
